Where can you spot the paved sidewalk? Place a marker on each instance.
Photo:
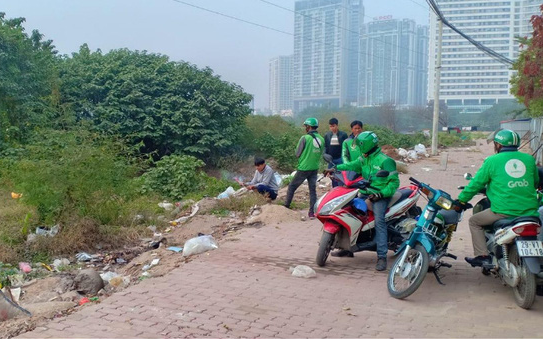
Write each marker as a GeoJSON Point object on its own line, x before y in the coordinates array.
{"type": "Point", "coordinates": [243, 289]}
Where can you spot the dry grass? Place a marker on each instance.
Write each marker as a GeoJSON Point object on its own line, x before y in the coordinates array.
{"type": "Point", "coordinates": [242, 203]}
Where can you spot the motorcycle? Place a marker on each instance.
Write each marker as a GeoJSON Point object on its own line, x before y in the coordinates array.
{"type": "Point", "coordinates": [427, 245]}
{"type": "Point", "coordinates": [516, 252]}
{"type": "Point", "coordinates": [348, 224]}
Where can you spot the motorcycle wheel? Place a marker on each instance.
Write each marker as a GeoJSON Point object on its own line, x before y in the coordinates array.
{"type": "Point", "coordinates": [325, 246]}
{"type": "Point", "coordinates": [525, 290]}
{"type": "Point", "coordinates": [404, 281]}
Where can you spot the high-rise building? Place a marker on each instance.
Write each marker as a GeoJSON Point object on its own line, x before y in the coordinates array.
{"type": "Point", "coordinates": [471, 80]}
{"type": "Point", "coordinates": [393, 63]}
{"type": "Point", "coordinates": [281, 84]}
{"type": "Point", "coordinates": [326, 52]}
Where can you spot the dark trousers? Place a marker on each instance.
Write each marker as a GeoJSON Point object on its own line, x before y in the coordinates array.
{"type": "Point", "coordinates": [298, 179]}
{"type": "Point", "coordinates": [266, 190]}
{"type": "Point", "coordinates": [337, 161]}
{"type": "Point", "coordinates": [381, 231]}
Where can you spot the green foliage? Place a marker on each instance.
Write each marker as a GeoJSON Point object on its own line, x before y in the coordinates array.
{"type": "Point", "coordinates": [71, 172]}
{"type": "Point", "coordinates": [387, 137]}
{"type": "Point", "coordinates": [272, 137]}
{"type": "Point", "coordinates": [174, 176]}
{"type": "Point", "coordinates": [455, 139]}
{"type": "Point", "coordinates": [162, 106]}
{"type": "Point", "coordinates": [6, 270]}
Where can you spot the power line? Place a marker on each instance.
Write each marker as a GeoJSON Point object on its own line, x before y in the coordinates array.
{"type": "Point", "coordinates": [334, 25]}
{"type": "Point", "coordinates": [490, 52]}
{"type": "Point", "coordinates": [234, 18]}
{"type": "Point", "coordinates": [283, 32]}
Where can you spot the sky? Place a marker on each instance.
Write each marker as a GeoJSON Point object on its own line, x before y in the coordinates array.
{"type": "Point", "coordinates": [237, 51]}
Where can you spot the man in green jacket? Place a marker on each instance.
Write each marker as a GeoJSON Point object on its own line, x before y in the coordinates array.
{"type": "Point", "coordinates": [309, 153]}
{"type": "Point", "coordinates": [349, 148]}
{"type": "Point", "coordinates": [511, 179]}
{"type": "Point", "coordinates": [371, 162]}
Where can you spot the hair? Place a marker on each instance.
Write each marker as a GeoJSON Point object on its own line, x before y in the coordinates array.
{"type": "Point", "coordinates": [357, 122]}
{"type": "Point", "coordinates": [333, 121]}
{"type": "Point", "coordinates": [259, 161]}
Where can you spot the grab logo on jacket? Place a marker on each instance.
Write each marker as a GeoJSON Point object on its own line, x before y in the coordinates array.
{"type": "Point", "coordinates": [515, 168]}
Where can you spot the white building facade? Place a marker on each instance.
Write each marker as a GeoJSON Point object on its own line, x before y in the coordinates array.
{"type": "Point", "coordinates": [472, 81]}
{"type": "Point", "coordinates": [393, 63]}
{"type": "Point", "coordinates": [326, 53]}
{"type": "Point", "coordinates": [281, 84]}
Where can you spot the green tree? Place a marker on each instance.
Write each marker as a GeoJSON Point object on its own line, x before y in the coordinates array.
{"type": "Point", "coordinates": [527, 83]}
{"type": "Point", "coordinates": [28, 80]}
{"type": "Point", "coordinates": [164, 107]}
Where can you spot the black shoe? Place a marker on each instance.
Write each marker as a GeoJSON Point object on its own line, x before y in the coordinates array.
{"type": "Point", "coordinates": [343, 253]}
{"type": "Point", "coordinates": [478, 261]}
{"type": "Point", "coordinates": [381, 264]}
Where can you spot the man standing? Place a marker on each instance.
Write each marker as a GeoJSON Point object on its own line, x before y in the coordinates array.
{"type": "Point", "coordinates": [350, 151]}
{"type": "Point", "coordinates": [264, 180]}
{"type": "Point", "coordinates": [333, 140]}
{"type": "Point", "coordinates": [309, 153]}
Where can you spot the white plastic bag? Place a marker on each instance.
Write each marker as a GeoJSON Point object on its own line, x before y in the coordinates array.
{"type": "Point", "coordinates": [420, 149]}
{"type": "Point", "coordinates": [412, 155]}
{"type": "Point", "coordinates": [228, 192]}
{"type": "Point", "coordinates": [303, 271]}
{"type": "Point", "coordinates": [199, 245]}
{"type": "Point", "coordinates": [278, 179]}
{"type": "Point", "coordinates": [402, 152]}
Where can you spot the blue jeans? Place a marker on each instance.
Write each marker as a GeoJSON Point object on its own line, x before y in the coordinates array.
{"type": "Point", "coordinates": [263, 189]}
{"type": "Point", "coordinates": [337, 161]}
{"type": "Point", "coordinates": [381, 232]}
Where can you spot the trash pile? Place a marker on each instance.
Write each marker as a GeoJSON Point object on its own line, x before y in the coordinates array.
{"type": "Point", "coordinates": [413, 155]}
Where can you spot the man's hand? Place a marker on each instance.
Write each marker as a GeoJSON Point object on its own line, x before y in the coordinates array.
{"type": "Point", "coordinates": [375, 196]}
{"type": "Point", "coordinates": [461, 206]}
{"type": "Point", "coordinates": [250, 187]}
{"type": "Point", "coordinates": [328, 172]}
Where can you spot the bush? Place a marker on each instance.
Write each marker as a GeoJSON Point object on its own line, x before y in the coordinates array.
{"type": "Point", "coordinates": [174, 176]}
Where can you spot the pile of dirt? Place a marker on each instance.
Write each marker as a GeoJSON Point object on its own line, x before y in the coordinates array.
{"type": "Point", "coordinates": [273, 214]}
{"type": "Point", "coordinates": [391, 151]}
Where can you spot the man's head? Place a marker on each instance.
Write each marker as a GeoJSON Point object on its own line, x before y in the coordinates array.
{"type": "Point", "coordinates": [356, 127]}
{"type": "Point", "coordinates": [311, 124]}
{"type": "Point", "coordinates": [260, 164]}
{"type": "Point", "coordinates": [333, 125]}
{"type": "Point", "coordinates": [506, 138]}
{"type": "Point", "coordinates": [367, 141]}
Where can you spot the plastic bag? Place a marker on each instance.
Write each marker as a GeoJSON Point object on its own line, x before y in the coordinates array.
{"type": "Point", "coordinates": [420, 149]}
{"type": "Point", "coordinates": [303, 271]}
{"type": "Point", "coordinates": [228, 192]}
{"type": "Point", "coordinates": [412, 155]}
{"type": "Point", "coordinates": [278, 179]}
{"type": "Point", "coordinates": [402, 152]}
{"type": "Point", "coordinates": [199, 245]}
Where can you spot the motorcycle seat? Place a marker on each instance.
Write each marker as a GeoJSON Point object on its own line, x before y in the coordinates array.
{"type": "Point", "coordinates": [450, 216]}
{"type": "Point", "coordinates": [399, 196]}
{"type": "Point", "coordinates": [502, 223]}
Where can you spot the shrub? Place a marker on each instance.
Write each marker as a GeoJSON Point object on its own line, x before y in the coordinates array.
{"type": "Point", "coordinates": [174, 176]}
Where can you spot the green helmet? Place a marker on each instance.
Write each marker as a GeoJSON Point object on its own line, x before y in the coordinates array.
{"type": "Point", "coordinates": [366, 141]}
{"type": "Point", "coordinates": [311, 122]}
{"type": "Point", "coordinates": [506, 137]}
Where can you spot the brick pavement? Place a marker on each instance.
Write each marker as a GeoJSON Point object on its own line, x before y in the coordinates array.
{"type": "Point", "coordinates": [243, 289]}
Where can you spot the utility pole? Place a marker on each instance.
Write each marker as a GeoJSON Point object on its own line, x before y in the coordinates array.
{"type": "Point", "coordinates": [435, 121]}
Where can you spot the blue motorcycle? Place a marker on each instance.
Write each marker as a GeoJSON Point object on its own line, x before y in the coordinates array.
{"type": "Point", "coordinates": [424, 250]}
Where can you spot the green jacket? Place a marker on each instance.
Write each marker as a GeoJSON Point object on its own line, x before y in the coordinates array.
{"type": "Point", "coordinates": [309, 151]}
{"type": "Point", "coordinates": [511, 179]}
{"type": "Point", "coordinates": [369, 166]}
{"type": "Point", "coordinates": [348, 151]}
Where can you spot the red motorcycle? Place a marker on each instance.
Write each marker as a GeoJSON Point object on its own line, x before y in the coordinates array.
{"type": "Point", "coordinates": [348, 222]}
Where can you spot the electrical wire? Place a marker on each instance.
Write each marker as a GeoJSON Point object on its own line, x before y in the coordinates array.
{"type": "Point", "coordinates": [490, 52]}
{"type": "Point", "coordinates": [284, 32]}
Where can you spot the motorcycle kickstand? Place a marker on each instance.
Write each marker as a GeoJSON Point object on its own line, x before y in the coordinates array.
{"type": "Point", "coordinates": [436, 271]}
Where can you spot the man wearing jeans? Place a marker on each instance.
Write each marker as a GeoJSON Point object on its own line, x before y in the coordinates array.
{"type": "Point", "coordinates": [309, 154]}
{"type": "Point", "coordinates": [333, 141]}
{"type": "Point", "coordinates": [371, 162]}
{"type": "Point", "coordinates": [264, 180]}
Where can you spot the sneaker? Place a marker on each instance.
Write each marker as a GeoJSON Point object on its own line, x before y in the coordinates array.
{"type": "Point", "coordinates": [478, 261]}
{"type": "Point", "coordinates": [342, 253]}
{"type": "Point", "coordinates": [381, 264]}
{"type": "Point", "coordinates": [311, 215]}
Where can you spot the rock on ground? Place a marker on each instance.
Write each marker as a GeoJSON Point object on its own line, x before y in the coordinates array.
{"type": "Point", "coordinates": [88, 282]}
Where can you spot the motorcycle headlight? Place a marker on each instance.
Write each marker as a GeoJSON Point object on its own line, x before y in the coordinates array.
{"type": "Point", "coordinates": [444, 203]}
{"type": "Point", "coordinates": [332, 204]}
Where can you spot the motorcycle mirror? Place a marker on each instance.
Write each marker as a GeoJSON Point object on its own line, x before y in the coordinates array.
{"type": "Point", "coordinates": [468, 176]}
{"type": "Point", "coordinates": [382, 174]}
{"type": "Point", "coordinates": [327, 157]}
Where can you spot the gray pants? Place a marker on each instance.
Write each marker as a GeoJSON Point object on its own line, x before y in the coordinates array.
{"type": "Point", "coordinates": [476, 224]}
{"type": "Point", "coordinates": [298, 179]}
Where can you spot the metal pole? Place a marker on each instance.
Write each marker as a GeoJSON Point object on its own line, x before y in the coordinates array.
{"type": "Point", "coordinates": [435, 121]}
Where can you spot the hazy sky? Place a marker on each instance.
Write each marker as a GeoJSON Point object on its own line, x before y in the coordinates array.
{"type": "Point", "coordinates": [237, 51]}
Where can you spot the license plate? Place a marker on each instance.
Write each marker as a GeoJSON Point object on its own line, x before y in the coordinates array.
{"type": "Point", "coordinates": [530, 248]}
